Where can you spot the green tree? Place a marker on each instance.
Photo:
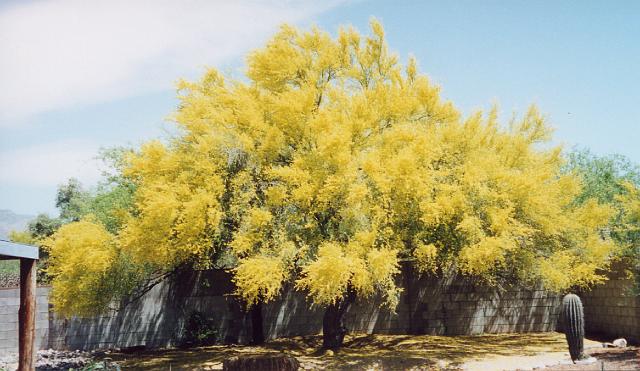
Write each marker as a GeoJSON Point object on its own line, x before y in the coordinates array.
{"type": "Point", "coordinates": [43, 226]}
{"type": "Point", "coordinates": [72, 200]}
{"type": "Point", "coordinates": [613, 180]}
{"type": "Point", "coordinates": [113, 199]}
{"type": "Point", "coordinates": [603, 177]}
{"type": "Point", "coordinates": [108, 204]}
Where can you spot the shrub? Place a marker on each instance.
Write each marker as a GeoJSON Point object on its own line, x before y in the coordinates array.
{"type": "Point", "coordinates": [198, 331]}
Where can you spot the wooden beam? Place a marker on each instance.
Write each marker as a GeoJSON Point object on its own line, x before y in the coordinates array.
{"type": "Point", "coordinates": [27, 315]}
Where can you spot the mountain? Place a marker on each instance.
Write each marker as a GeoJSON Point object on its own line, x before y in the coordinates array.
{"type": "Point", "coordinates": [11, 221]}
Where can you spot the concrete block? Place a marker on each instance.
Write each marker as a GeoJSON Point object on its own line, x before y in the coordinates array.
{"type": "Point", "coordinates": [469, 305]}
{"type": "Point", "coordinates": [462, 314]}
{"type": "Point", "coordinates": [467, 310]}
{"type": "Point", "coordinates": [42, 301]}
{"type": "Point", "coordinates": [9, 293]}
{"type": "Point", "coordinates": [8, 318]}
{"type": "Point", "coordinates": [9, 326]}
{"type": "Point", "coordinates": [9, 309]}
{"type": "Point", "coordinates": [10, 300]}
{"type": "Point", "coordinates": [451, 305]}
{"type": "Point", "coordinates": [435, 330]}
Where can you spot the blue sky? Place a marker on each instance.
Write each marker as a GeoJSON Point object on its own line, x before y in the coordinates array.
{"type": "Point", "coordinates": [95, 74]}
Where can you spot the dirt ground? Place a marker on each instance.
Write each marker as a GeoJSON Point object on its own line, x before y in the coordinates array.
{"type": "Point", "coordinates": [607, 359]}
{"type": "Point", "coordinates": [398, 352]}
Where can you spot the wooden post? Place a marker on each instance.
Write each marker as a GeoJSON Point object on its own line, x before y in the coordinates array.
{"type": "Point", "coordinates": [27, 315]}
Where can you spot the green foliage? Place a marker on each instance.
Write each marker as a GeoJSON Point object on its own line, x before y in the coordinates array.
{"type": "Point", "coordinates": [72, 201]}
{"type": "Point", "coordinates": [198, 331]}
{"type": "Point", "coordinates": [603, 177]}
{"type": "Point", "coordinates": [613, 180]}
{"type": "Point", "coordinates": [43, 226]}
{"type": "Point", "coordinates": [111, 204]}
{"type": "Point", "coordinates": [98, 365]}
{"type": "Point", "coordinates": [114, 196]}
{"type": "Point", "coordinates": [114, 159]}
{"type": "Point", "coordinates": [107, 203]}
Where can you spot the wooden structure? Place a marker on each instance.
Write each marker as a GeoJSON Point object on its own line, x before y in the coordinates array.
{"type": "Point", "coordinates": [28, 256]}
{"type": "Point", "coordinates": [264, 362]}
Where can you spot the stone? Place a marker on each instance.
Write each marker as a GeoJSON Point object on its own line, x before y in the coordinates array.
{"type": "Point", "coordinates": [620, 343]}
{"type": "Point", "coordinates": [64, 360]}
{"type": "Point", "coordinates": [586, 361]}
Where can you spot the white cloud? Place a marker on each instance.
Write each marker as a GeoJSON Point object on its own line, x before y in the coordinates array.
{"type": "Point", "coordinates": [61, 53]}
{"type": "Point", "coordinates": [50, 164]}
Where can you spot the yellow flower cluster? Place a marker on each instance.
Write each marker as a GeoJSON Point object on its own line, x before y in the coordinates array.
{"type": "Point", "coordinates": [330, 163]}
{"type": "Point", "coordinates": [80, 255]}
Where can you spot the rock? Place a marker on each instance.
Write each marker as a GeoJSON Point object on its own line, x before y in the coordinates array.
{"type": "Point", "coordinates": [586, 361]}
{"type": "Point", "coordinates": [98, 352]}
{"type": "Point", "coordinates": [328, 352]}
{"type": "Point", "coordinates": [620, 343]}
{"type": "Point", "coordinates": [63, 360]}
{"type": "Point", "coordinates": [9, 362]}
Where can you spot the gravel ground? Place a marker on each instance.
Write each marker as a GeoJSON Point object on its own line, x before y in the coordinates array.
{"type": "Point", "coordinates": [545, 351]}
{"type": "Point", "coordinates": [373, 352]}
{"type": "Point", "coordinates": [54, 360]}
{"type": "Point", "coordinates": [609, 359]}
{"type": "Point", "coordinates": [9, 280]}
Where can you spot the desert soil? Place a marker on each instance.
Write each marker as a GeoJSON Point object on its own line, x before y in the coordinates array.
{"type": "Point", "coordinates": [546, 351]}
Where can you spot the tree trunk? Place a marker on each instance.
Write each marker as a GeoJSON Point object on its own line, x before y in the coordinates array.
{"type": "Point", "coordinates": [333, 328]}
{"type": "Point", "coordinates": [257, 334]}
{"type": "Point", "coordinates": [264, 362]}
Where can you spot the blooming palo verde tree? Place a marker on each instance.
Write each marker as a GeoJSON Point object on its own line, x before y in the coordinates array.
{"type": "Point", "coordinates": [328, 165]}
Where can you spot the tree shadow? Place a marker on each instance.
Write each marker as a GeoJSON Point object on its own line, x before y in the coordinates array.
{"type": "Point", "coordinates": [156, 319]}
{"type": "Point", "coordinates": [428, 305]}
{"type": "Point", "coordinates": [360, 351]}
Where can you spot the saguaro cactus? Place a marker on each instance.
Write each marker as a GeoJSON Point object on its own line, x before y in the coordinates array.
{"type": "Point", "coordinates": [573, 318]}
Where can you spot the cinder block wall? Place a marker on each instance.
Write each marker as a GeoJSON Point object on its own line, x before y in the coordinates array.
{"type": "Point", "coordinates": [427, 305]}
{"type": "Point", "coordinates": [612, 310]}
{"type": "Point", "coordinates": [157, 318]}
{"type": "Point", "coordinates": [9, 305]}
